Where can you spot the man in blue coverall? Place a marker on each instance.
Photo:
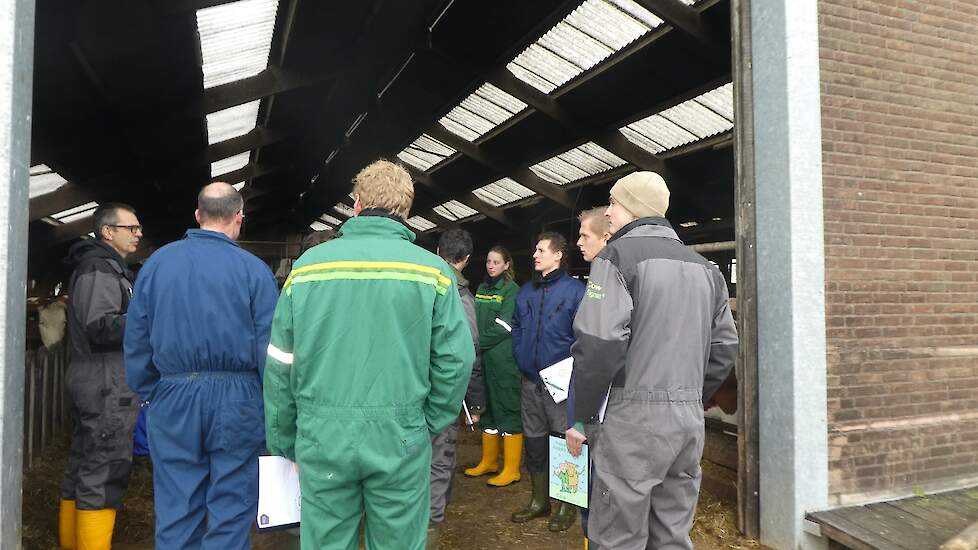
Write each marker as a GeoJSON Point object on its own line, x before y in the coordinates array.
{"type": "Point", "coordinates": [195, 348]}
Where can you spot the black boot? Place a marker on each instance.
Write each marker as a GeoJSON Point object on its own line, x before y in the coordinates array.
{"type": "Point", "coordinates": [563, 518]}
{"type": "Point", "coordinates": [539, 505]}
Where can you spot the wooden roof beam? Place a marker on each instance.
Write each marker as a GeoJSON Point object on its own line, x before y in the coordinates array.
{"type": "Point", "coordinates": [523, 176]}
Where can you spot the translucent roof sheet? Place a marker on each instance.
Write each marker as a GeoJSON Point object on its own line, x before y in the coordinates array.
{"type": "Point", "coordinates": [425, 152]}
{"type": "Point", "coordinates": [330, 220]}
{"type": "Point", "coordinates": [344, 209]}
{"type": "Point", "coordinates": [230, 164]}
{"type": "Point", "coordinates": [235, 39]}
{"type": "Point", "coordinates": [699, 118]}
{"type": "Point", "coordinates": [319, 226]}
{"type": "Point", "coordinates": [587, 36]}
{"type": "Point", "coordinates": [578, 163]}
{"type": "Point", "coordinates": [419, 223]}
{"type": "Point", "coordinates": [484, 109]}
{"type": "Point", "coordinates": [502, 192]}
{"type": "Point", "coordinates": [454, 211]}
{"type": "Point", "coordinates": [76, 213]}
{"type": "Point", "coordinates": [44, 180]}
{"type": "Point", "coordinates": [233, 122]}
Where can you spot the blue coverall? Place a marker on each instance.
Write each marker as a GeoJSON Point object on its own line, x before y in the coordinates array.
{"type": "Point", "coordinates": [195, 347]}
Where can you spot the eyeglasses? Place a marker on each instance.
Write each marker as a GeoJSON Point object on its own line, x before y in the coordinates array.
{"type": "Point", "coordinates": [132, 228]}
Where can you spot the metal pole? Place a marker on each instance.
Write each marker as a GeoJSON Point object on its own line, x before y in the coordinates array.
{"type": "Point", "coordinates": [16, 78]}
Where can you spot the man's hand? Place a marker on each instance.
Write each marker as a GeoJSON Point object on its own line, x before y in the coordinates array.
{"type": "Point", "coordinates": [475, 418]}
{"type": "Point", "coordinates": [574, 441]}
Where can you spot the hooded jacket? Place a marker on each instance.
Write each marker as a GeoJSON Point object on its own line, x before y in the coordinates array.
{"type": "Point", "coordinates": [543, 322]}
{"type": "Point", "coordinates": [99, 290]}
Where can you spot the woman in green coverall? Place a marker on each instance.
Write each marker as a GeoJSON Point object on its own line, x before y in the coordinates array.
{"type": "Point", "coordinates": [495, 301]}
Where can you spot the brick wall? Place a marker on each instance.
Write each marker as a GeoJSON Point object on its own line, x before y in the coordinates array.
{"type": "Point", "coordinates": [900, 150]}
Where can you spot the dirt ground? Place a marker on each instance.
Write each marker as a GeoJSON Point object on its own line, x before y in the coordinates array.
{"type": "Point", "coordinates": [478, 517]}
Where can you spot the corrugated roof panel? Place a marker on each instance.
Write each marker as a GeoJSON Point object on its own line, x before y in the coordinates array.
{"type": "Point", "coordinates": [454, 211]}
{"type": "Point", "coordinates": [230, 164]}
{"type": "Point", "coordinates": [44, 180]}
{"type": "Point", "coordinates": [332, 220]}
{"type": "Point", "coordinates": [698, 119]}
{"type": "Point", "coordinates": [425, 152]}
{"type": "Point", "coordinates": [720, 101]}
{"type": "Point", "coordinates": [232, 122]}
{"type": "Point", "coordinates": [638, 12]}
{"type": "Point", "coordinates": [578, 163]}
{"type": "Point", "coordinates": [76, 213]}
{"type": "Point", "coordinates": [704, 116]}
{"type": "Point", "coordinates": [344, 209]}
{"type": "Point", "coordinates": [480, 112]}
{"type": "Point", "coordinates": [502, 192]}
{"type": "Point", "coordinates": [319, 226]}
{"type": "Point", "coordinates": [235, 39]}
{"type": "Point", "coordinates": [586, 37]}
{"type": "Point", "coordinates": [419, 223]}
{"type": "Point", "coordinates": [662, 131]}
{"type": "Point", "coordinates": [459, 129]}
{"type": "Point", "coordinates": [501, 98]}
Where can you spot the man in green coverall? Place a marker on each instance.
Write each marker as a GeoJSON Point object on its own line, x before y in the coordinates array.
{"type": "Point", "coordinates": [370, 355]}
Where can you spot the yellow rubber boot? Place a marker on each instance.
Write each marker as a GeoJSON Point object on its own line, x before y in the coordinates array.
{"type": "Point", "coordinates": [512, 454]}
{"type": "Point", "coordinates": [66, 525]}
{"type": "Point", "coordinates": [490, 457]}
{"type": "Point", "coordinates": [585, 543]}
{"type": "Point", "coordinates": [94, 529]}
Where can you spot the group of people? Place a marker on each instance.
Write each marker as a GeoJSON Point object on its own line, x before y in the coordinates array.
{"type": "Point", "coordinates": [359, 368]}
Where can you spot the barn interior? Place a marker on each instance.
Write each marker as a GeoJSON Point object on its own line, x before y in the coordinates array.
{"type": "Point", "coordinates": [512, 117]}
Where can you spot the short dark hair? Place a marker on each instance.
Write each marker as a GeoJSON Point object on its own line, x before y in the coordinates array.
{"type": "Point", "coordinates": [558, 243]}
{"type": "Point", "coordinates": [221, 207]}
{"type": "Point", "coordinates": [108, 214]}
{"type": "Point", "coordinates": [454, 245]}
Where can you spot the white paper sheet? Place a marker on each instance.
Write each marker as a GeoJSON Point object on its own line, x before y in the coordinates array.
{"type": "Point", "coordinates": [279, 499]}
{"type": "Point", "coordinates": [556, 378]}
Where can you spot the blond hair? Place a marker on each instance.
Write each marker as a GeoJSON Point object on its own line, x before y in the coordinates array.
{"type": "Point", "coordinates": [597, 220]}
{"type": "Point", "coordinates": [385, 184]}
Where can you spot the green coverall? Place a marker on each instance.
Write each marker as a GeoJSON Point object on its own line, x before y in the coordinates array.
{"type": "Point", "coordinates": [370, 355]}
{"type": "Point", "coordinates": [502, 376]}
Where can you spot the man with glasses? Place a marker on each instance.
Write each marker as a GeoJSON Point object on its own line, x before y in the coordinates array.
{"type": "Point", "coordinates": [103, 407]}
{"type": "Point", "coordinates": [195, 349]}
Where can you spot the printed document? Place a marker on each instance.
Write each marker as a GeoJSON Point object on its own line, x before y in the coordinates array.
{"type": "Point", "coordinates": [279, 499]}
{"type": "Point", "coordinates": [556, 378]}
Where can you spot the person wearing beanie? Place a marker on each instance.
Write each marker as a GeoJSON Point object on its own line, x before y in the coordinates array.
{"type": "Point", "coordinates": [663, 352]}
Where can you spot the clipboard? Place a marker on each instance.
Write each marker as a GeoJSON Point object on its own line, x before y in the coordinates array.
{"type": "Point", "coordinates": [556, 378]}
{"type": "Point", "coordinates": [279, 496]}
{"type": "Point", "coordinates": [569, 475]}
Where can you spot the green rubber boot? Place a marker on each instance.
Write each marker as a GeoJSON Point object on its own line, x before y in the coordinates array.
{"type": "Point", "coordinates": [563, 518]}
{"type": "Point", "coordinates": [539, 505]}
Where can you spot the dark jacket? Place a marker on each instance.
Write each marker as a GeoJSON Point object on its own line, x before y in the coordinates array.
{"type": "Point", "coordinates": [543, 322]}
{"type": "Point", "coordinates": [99, 290]}
{"type": "Point", "coordinates": [655, 322]}
{"type": "Point", "coordinates": [475, 395]}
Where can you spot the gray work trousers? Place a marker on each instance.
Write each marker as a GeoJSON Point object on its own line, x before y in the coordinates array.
{"type": "Point", "coordinates": [103, 411]}
{"type": "Point", "coordinates": [442, 468]}
{"type": "Point", "coordinates": [647, 471]}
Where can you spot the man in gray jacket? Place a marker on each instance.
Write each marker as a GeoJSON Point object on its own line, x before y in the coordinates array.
{"type": "Point", "coordinates": [455, 247]}
{"type": "Point", "coordinates": [655, 327]}
{"type": "Point", "coordinates": [103, 408]}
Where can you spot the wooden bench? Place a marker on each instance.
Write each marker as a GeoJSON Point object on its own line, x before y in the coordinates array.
{"type": "Point", "coordinates": [918, 523]}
